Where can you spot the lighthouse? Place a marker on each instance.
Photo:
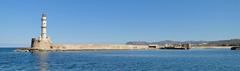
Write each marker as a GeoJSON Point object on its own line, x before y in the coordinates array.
{"type": "Point", "coordinates": [43, 42]}
{"type": "Point", "coordinates": [43, 35]}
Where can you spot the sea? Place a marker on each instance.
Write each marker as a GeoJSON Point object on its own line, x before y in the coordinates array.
{"type": "Point", "coordinates": [221, 59]}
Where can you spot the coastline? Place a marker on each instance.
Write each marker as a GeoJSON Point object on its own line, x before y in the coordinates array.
{"type": "Point", "coordinates": [29, 49]}
{"type": "Point", "coordinates": [211, 47]}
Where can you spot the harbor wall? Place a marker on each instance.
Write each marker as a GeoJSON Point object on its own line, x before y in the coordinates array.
{"type": "Point", "coordinates": [97, 47]}
{"type": "Point", "coordinates": [47, 45]}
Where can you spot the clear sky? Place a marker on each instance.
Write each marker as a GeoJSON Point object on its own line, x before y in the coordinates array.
{"type": "Point", "coordinates": [119, 21]}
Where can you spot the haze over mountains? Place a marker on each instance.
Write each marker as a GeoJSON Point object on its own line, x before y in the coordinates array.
{"type": "Point", "coordinates": [231, 42]}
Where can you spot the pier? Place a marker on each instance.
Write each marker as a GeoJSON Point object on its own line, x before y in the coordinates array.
{"type": "Point", "coordinates": [44, 43]}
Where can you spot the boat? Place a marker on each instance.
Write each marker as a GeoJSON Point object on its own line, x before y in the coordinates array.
{"type": "Point", "coordinates": [235, 48]}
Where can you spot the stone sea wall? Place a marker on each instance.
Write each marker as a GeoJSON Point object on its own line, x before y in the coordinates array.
{"type": "Point", "coordinates": [47, 45]}
{"type": "Point", "coordinates": [97, 47]}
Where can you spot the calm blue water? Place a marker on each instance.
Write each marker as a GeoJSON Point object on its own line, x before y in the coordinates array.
{"type": "Point", "coordinates": [128, 60]}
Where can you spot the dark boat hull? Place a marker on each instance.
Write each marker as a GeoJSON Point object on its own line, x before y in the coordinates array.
{"type": "Point", "coordinates": [235, 48]}
{"type": "Point", "coordinates": [175, 48]}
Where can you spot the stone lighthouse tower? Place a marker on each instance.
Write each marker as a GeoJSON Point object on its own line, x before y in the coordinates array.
{"type": "Point", "coordinates": [43, 42]}
{"type": "Point", "coordinates": [43, 35]}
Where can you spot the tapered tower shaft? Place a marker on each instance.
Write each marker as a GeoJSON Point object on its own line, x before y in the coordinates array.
{"type": "Point", "coordinates": [44, 27]}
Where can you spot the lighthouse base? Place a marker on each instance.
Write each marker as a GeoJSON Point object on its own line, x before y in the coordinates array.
{"type": "Point", "coordinates": [41, 44]}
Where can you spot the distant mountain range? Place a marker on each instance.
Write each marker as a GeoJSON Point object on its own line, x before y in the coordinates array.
{"type": "Point", "coordinates": [231, 42]}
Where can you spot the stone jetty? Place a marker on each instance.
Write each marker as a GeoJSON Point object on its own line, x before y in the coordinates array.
{"type": "Point", "coordinates": [44, 43]}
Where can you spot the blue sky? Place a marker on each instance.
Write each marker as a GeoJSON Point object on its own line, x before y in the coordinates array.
{"type": "Point", "coordinates": [119, 21]}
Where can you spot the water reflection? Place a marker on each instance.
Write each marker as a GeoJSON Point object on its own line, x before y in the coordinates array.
{"type": "Point", "coordinates": [42, 58]}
